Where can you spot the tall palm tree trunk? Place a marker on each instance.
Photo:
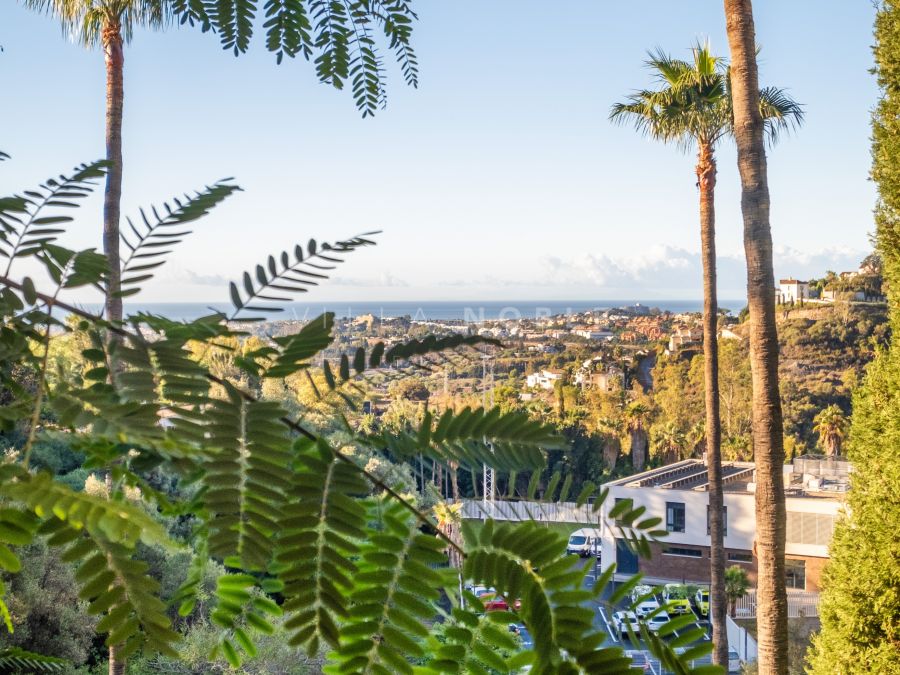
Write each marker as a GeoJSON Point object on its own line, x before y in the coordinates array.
{"type": "Point", "coordinates": [706, 181]}
{"type": "Point", "coordinates": [115, 61]}
{"type": "Point", "coordinates": [114, 57]}
{"type": "Point", "coordinates": [768, 441]}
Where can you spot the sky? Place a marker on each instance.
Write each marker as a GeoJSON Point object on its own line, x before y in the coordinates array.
{"type": "Point", "coordinates": [499, 178]}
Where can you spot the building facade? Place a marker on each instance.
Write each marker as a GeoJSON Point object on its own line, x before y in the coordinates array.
{"type": "Point", "coordinates": [678, 493]}
{"type": "Point", "coordinates": [792, 291]}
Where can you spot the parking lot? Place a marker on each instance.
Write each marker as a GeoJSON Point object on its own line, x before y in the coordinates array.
{"type": "Point", "coordinates": [639, 652]}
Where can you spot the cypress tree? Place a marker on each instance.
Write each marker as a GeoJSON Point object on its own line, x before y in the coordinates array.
{"type": "Point", "coordinates": [860, 604]}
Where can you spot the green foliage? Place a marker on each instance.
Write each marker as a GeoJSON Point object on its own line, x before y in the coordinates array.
{"type": "Point", "coordinates": [337, 35]}
{"type": "Point", "coordinates": [152, 238]}
{"type": "Point", "coordinates": [16, 660]}
{"type": "Point", "coordinates": [47, 615]}
{"type": "Point", "coordinates": [693, 104]}
{"type": "Point", "coordinates": [860, 604]}
{"type": "Point", "coordinates": [288, 275]}
{"type": "Point", "coordinates": [304, 537]}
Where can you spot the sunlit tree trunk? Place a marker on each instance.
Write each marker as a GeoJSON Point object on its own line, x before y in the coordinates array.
{"type": "Point", "coordinates": [706, 181]}
{"type": "Point", "coordinates": [115, 61]}
{"type": "Point", "coordinates": [768, 441]}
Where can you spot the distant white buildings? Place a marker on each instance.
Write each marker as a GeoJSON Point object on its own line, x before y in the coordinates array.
{"type": "Point", "coordinates": [594, 374]}
{"type": "Point", "coordinates": [685, 336]}
{"type": "Point", "coordinates": [678, 493]}
{"type": "Point", "coordinates": [545, 379]}
{"type": "Point", "coordinates": [594, 334]}
{"type": "Point", "coordinates": [791, 291]}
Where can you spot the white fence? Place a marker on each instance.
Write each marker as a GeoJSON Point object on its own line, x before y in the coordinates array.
{"type": "Point", "coordinates": [800, 604]}
{"type": "Point", "coordinates": [740, 640]}
{"type": "Point", "coordinates": [559, 512]}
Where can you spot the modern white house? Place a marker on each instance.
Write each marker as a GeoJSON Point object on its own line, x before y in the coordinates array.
{"type": "Point", "coordinates": [678, 493]}
{"type": "Point", "coordinates": [545, 379]}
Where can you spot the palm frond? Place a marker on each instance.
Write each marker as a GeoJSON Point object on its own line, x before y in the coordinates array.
{"type": "Point", "coordinates": [781, 114]}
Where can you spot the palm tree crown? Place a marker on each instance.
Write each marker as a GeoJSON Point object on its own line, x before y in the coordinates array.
{"type": "Point", "coordinates": [86, 21]}
{"type": "Point", "coordinates": [693, 103]}
{"type": "Point", "coordinates": [831, 425]}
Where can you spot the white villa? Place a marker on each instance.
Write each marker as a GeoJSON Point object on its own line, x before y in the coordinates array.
{"type": "Point", "coordinates": [546, 379]}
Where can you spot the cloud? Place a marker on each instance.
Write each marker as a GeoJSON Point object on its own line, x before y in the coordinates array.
{"type": "Point", "coordinates": [662, 271]}
{"type": "Point", "coordinates": [205, 279]}
{"type": "Point", "coordinates": [676, 270]}
{"type": "Point", "coordinates": [386, 280]}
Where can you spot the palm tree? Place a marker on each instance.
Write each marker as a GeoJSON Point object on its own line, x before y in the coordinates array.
{"type": "Point", "coordinates": [736, 585]}
{"type": "Point", "coordinates": [696, 438]}
{"type": "Point", "coordinates": [831, 425]}
{"type": "Point", "coordinates": [768, 425]}
{"type": "Point", "coordinates": [692, 107]}
{"type": "Point", "coordinates": [611, 431]}
{"type": "Point", "coordinates": [109, 24]}
{"type": "Point", "coordinates": [636, 416]}
{"type": "Point", "coordinates": [669, 442]}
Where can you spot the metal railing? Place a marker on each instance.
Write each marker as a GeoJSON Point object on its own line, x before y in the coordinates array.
{"type": "Point", "coordinates": [558, 512]}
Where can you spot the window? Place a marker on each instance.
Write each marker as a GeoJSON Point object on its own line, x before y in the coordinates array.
{"type": "Point", "coordinates": [724, 521]}
{"type": "Point", "coordinates": [740, 556]}
{"type": "Point", "coordinates": [795, 574]}
{"type": "Point", "coordinates": [680, 550]}
{"type": "Point", "coordinates": [675, 516]}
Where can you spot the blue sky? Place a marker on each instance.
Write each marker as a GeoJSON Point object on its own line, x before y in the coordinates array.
{"type": "Point", "coordinates": [499, 178]}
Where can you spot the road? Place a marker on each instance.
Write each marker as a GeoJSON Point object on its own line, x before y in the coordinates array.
{"type": "Point", "coordinates": [644, 371]}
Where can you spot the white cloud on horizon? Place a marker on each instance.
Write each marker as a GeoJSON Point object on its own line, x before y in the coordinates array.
{"type": "Point", "coordinates": [663, 271]}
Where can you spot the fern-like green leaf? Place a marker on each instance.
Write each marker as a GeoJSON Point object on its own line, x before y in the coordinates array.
{"type": "Point", "coordinates": [117, 587]}
{"type": "Point", "coordinates": [25, 225]}
{"type": "Point", "coordinates": [287, 276]}
{"type": "Point", "coordinates": [246, 480]}
{"type": "Point", "coordinates": [152, 238]}
{"type": "Point", "coordinates": [117, 521]}
{"type": "Point", "coordinates": [507, 441]}
{"type": "Point", "coordinates": [395, 592]}
{"type": "Point", "coordinates": [16, 660]}
{"type": "Point", "coordinates": [317, 543]}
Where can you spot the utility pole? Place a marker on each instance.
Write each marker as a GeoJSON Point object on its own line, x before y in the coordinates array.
{"type": "Point", "coordinates": [487, 402]}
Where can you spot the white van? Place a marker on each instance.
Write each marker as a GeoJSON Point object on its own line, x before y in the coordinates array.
{"type": "Point", "coordinates": [584, 542]}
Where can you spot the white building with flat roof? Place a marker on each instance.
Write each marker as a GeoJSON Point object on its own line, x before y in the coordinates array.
{"type": "Point", "coordinates": [678, 494]}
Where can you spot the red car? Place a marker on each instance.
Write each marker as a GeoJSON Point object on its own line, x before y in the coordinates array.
{"type": "Point", "coordinates": [497, 603]}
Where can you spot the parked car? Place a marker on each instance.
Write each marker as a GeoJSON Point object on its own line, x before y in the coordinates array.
{"type": "Point", "coordinates": [494, 602]}
{"type": "Point", "coordinates": [584, 542]}
{"type": "Point", "coordinates": [675, 599]}
{"type": "Point", "coordinates": [701, 602]}
{"type": "Point", "coordinates": [622, 621]}
{"type": "Point", "coordinates": [734, 661]}
{"type": "Point", "coordinates": [646, 601]}
{"type": "Point", "coordinates": [657, 621]}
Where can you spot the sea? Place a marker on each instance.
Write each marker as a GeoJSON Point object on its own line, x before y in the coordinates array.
{"type": "Point", "coordinates": [473, 311]}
